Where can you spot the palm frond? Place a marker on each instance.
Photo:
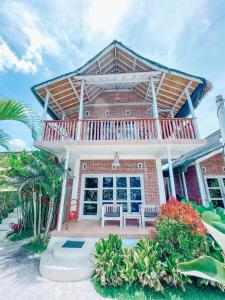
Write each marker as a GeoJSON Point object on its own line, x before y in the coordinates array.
{"type": "Point", "coordinates": [17, 111]}
{"type": "Point", "coordinates": [4, 139]}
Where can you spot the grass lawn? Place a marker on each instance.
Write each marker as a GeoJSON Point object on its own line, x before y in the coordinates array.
{"type": "Point", "coordinates": [37, 246]}
{"type": "Point", "coordinates": [20, 236]}
{"type": "Point", "coordinates": [136, 292]}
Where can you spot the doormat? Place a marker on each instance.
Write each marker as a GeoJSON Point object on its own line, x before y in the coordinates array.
{"type": "Point", "coordinates": [73, 244]}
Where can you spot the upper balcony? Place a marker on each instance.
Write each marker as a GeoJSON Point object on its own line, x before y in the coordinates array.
{"type": "Point", "coordinates": [119, 130]}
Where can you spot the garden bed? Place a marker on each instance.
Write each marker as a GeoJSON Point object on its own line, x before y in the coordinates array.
{"type": "Point", "coordinates": [137, 292]}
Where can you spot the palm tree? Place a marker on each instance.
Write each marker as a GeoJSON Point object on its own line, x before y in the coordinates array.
{"type": "Point", "coordinates": [17, 111]}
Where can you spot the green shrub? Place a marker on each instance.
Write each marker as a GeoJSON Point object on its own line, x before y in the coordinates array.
{"type": "Point", "coordinates": [178, 240]}
{"type": "Point", "coordinates": [129, 266]}
{"type": "Point", "coordinates": [108, 261]}
{"type": "Point", "coordinates": [150, 269]}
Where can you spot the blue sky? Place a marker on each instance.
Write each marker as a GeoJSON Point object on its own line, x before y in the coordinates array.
{"type": "Point", "coordinates": [40, 40]}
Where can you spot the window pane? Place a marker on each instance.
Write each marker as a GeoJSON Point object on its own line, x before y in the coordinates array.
{"type": "Point", "coordinates": [124, 204]}
{"type": "Point", "coordinates": [213, 182]}
{"type": "Point", "coordinates": [135, 182]}
{"type": "Point", "coordinates": [135, 206]}
{"type": "Point", "coordinates": [215, 193]}
{"type": "Point", "coordinates": [218, 203]}
{"type": "Point", "coordinates": [107, 194]}
{"type": "Point", "coordinates": [91, 183]}
{"type": "Point", "coordinates": [90, 209]}
{"type": "Point", "coordinates": [121, 182]}
{"type": "Point", "coordinates": [135, 194]}
{"type": "Point", "coordinates": [224, 181]}
{"type": "Point", "coordinates": [121, 194]}
{"type": "Point", "coordinates": [90, 195]}
{"type": "Point", "coordinates": [107, 181]}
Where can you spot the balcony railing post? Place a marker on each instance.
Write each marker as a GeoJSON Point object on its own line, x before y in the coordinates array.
{"type": "Point", "coordinates": [81, 111]}
{"type": "Point", "coordinates": [155, 110]}
{"type": "Point", "coordinates": [192, 111]}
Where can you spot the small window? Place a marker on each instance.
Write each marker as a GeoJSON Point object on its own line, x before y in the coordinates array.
{"type": "Point", "coordinates": [149, 112]}
{"type": "Point", "coordinates": [106, 113]}
{"type": "Point", "coordinates": [84, 166]}
{"type": "Point", "coordinates": [128, 112]}
{"type": "Point", "coordinates": [203, 169]}
{"type": "Point", "coordinates": [113, 167]}
{"type": "Point", "coordinates": [140, 166]}
{"type": "Point", "coordinates": [224, 169]}
{"type": "Point", "coordinates": [87, 114]}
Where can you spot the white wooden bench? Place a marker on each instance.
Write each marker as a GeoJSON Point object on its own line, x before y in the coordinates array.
{"type": "Point", "coordinates": [148, 212]}
{"type": "Point", "coordinates": [112, 212]}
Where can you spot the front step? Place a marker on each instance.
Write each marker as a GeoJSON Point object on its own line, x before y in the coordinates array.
{"type": "Point", "coordinates": [10, 220]}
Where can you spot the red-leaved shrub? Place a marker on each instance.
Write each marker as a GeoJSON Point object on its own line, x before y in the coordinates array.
{"type": "Point", "coordinates": [184, 213]}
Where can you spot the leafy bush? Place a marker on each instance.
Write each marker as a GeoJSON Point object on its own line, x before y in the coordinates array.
{"type": "Point", "coordinates": [149, 266]}
{"type": "Point", "coordinates": [183, 213]}
{"type": "Point", "coordinates": [128, 270]}
{"type": "Point", "coordinates": [177, 239]}
{"type": "Point", "coordinates": [108, 261]}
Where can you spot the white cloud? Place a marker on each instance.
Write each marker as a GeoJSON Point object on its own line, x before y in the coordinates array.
{"type": "Point", "coordinates": [17, 144]}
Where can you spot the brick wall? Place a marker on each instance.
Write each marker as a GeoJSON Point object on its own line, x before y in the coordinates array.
{"type": "Point", "coordinates": [214, 165]}
{"type": "Point", "coordinates": [117, 111]}
{"type": "Point", "coordinates": [151, 190]}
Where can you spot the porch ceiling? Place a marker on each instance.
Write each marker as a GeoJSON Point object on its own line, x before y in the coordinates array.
{"type": "Point", "coordinates": [118, 68]}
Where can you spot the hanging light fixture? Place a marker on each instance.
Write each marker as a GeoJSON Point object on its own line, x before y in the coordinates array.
{"type": "Point", "coordinates": [116, 162]}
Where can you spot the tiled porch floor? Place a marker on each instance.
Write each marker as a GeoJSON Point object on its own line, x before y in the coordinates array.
{"type": "Point", "coordinates": [93, 229]}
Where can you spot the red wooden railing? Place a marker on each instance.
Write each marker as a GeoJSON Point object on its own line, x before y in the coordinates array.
{"type": "Point", "coordinates": [113, 130]}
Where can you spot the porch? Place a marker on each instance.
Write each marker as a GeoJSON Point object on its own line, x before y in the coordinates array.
{"type": "Point", "coordinates": [93, 229]}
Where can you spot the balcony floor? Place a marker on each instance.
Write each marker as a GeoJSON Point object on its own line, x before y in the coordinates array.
{"type": "Point", "coordinates": [93, 229]}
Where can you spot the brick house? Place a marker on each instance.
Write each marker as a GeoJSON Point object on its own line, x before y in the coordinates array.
{"type": "Point", "coordinates": [113, 121]}
{"type": "Point", "coordinates": [200, 174]}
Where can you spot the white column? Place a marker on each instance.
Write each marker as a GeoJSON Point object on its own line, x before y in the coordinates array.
{"type": "Point", "coordinates": [155, 109]}
{"type": "Point", "coordinates": [172, 185]}
{"type": "Point", "coordinates": [192, 111]}
{"type": "Point", "coordinates": [221, 116]}
{"type": "Point", "coordinates": [45, 106]}
{"type": "Point", "coordinates": [184, 185]}
{"type": "Point", "coordinates": [63, 193]}
{"type": "Point", "coordinates": [200, 182]}
{"type": "Point", "coordinates": [76, 173]}
{"type": "Point", "coordinates": [81, 110]}
{"type": "Point", "coordinates": [162, 194]}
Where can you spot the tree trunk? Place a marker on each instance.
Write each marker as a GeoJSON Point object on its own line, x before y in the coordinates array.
{"type": "Point", "coordinates": [39, 216]}
{"type": "Point", "coordinates": [35, 213]}
{"type": "Point", "coordinates": [49, 221]}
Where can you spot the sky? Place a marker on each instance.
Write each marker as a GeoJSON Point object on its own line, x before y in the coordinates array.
{"type": "Point", "coordinates": [42, 39]}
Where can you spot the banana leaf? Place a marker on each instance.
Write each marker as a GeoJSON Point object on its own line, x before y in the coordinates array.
{"type": "Point", "coordinates": [204, 267]}
{"type": "Point", "coordinates": [218, 236]}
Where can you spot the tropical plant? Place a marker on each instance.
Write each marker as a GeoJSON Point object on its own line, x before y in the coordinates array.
{"type": "Point", "coordinates": [38, 180]}
{"type": "Point", "coordinates": [150, 269]}
{"type": "Point", "coordinates": [207, 267]}
{"type": "Point", "coordinates": [183, 213]}
{"type": "Point", "coordinates": [128, 270]}
{"type": "Point", "coordinates": [108, 261]}
{"type": "Point", "coordinates": [16, 111]}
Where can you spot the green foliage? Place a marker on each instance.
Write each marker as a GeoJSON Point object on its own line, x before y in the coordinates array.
{"type": "Point", "coordinates": [149, 266]}
{"type": "Point", "coordinates": [17, 111]}
{"type": "Point", "coordinates": [178, 240]}
{"type": "Point", "coordinates": [128, 270]}
{"type": "Point", "coordinates": [209, 217]}
{"type": "Point", "coordinates": [20, 236]}
{"type": "Point", "coordinates": [137, 292]}
{"type": "Point", "coordinates": [108, 261]}
{"type": "Point", "coordinates": [37, 246]}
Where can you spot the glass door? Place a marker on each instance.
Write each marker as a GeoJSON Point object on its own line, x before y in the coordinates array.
{"type": "Point", "coordinates": [91, 197]}
{"type": "Point", "coordinates": [216, 188]}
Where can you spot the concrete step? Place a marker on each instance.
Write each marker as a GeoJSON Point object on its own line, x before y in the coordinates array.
{"type": "Point", "coordinates": [4, 227]}
{"type": "Point", "coordinates": [10, 220]}
{"type": "Point", "coordinates": [56, 270]}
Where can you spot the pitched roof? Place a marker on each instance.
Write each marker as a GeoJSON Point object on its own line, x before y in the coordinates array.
{"type": "Point", "coordinates": [118, 58]}
{"type": "Point", "coordinates": [213, 144]}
